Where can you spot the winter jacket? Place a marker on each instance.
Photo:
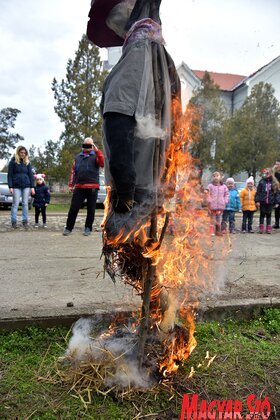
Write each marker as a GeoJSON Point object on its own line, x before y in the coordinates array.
{"type": "Point", "coordinates": [247, 198]}
{"type": "Point", "coordinates": [85, 170]}
{"type": "Point", "coordinates": [265, 193]}
{"type": "Point", "coordinates": [20, 175]}
{"type": "Point", "coordinates": [234, 200]}
{"type": "Point", "coordinates": [41, 196]}
{"type": "Point", "coordinates": [218, 196]}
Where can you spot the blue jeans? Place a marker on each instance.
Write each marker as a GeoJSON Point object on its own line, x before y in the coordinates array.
{"type": "Point", "coordinates": [24, 194]}
{"type": "Point", "coordinates": [228, 215]}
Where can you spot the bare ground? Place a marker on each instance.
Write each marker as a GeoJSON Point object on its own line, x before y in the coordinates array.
{"type": "Point", "coordinates": [44, 273]}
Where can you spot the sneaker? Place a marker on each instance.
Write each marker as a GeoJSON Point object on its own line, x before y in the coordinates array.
{"type": "Point", "coordinates": [36, 225]}
{"type": "Point", "coordinates": [25, 225]}
{"type": "Point", "coordinates": [243, 231]}
{"type": "Point", "coordinates": [275, 226]}
{"type": "Point", "coordinates": [87, 231]}
{"type": "Point", "coordinates": [14, 225]}
{"type": "Point", "coordinates": [66, 232]}
{"type": "Point", "coordinates": [251, 231]}
{"type": "Point", "coordinates": [232, 231]}
{"type": "Point", "coordinates": [45, 226]}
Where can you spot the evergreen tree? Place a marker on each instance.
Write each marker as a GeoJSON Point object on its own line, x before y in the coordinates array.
{"type": "Point", "coordinates": [208, 115]}
{"type": "Point", "coordinates": [7, 139]}
{"type": "Point", "coordinates": [46, 161]}
{"type": "Point", "coordinates": [252, 136]}
{"type": "Point", "coordinates": [77, 101]}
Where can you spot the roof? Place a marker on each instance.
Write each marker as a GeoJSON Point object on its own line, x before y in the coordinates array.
{"type": "Point", "coordinates": [247, 79]}
{"type": "Point", "coordinates": [225, 81]}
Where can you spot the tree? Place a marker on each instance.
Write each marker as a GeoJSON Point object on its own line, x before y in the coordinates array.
{"type": "Point", "coordinates": [46, 161]}
{"type": "Point", "coordinates": [208, 115]}
{"type": "Point", "coordinates": [78, 96]}
{"type": "Point", "coordinates": [252, 136]}
{"type": "Point", "coordinates": [7, 139]}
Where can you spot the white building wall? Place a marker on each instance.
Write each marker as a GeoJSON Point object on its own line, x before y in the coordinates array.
{"type": "Point", "coordinates": [114, 54]}
{"type": "Point", "coordinates": [239, 96]}
{"type": "Point", "coordinates": [226, 97]}
{"type": "Point", "coordinates": [270, 74]}
{"type": "Point", "coordinates": [189, 83]}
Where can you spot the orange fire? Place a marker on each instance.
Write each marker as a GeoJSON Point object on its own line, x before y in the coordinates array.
{"type": "Point", "coordinates": [180, 347]}
{"type": "Point", "coordinates": [181, 256]}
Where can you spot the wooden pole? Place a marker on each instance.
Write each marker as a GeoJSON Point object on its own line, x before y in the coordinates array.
{"type": "Point", "coordinates": [151, 277]}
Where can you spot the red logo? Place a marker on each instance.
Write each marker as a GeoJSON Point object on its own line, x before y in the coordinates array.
{"type": "Point", "coordinates": [193, 409]}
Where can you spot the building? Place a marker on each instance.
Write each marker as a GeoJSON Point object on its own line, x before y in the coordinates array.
{"type": "Point", "coordinates": [234, 88]}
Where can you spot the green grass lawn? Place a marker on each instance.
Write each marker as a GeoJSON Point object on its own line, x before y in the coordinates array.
{"type": "Point", "coordinates": [247, 362]}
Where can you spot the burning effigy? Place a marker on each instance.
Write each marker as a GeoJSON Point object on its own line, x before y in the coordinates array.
{"type": "Point", "coordinates": [154, 230]}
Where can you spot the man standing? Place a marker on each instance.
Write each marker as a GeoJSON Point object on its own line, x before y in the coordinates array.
{"type": "Point", "coordinates": [84, 182]}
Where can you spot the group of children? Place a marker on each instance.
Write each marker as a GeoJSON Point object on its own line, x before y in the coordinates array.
{"type": "Point", "coordinates": [223, 201]}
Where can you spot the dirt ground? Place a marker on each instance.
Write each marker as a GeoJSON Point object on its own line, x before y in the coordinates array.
{"type": "Point", "coordinates": [45, 274]}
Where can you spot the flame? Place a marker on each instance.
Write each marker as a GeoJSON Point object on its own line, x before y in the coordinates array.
{"type": "Point", "coordinates": [183, 264]}
{"type": "Point", "coordinates": [181, 258]}
{"type": "Point", "coordinates": [180, 348]}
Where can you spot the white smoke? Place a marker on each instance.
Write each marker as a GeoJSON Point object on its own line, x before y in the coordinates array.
{"type": "Point", "coordinates": [147, 128]}
{"type": "Point", "coordinates": [120, 349]}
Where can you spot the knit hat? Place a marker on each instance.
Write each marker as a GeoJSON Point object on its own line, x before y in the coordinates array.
{"type": "Point", "coordinates": [250, 179]}
{"type": "Point", "coordinates": [266, 172]}
{"type": "Point", "coordinates": [39, 176]}
{"type": "Point", "coordinates": [230, 180]}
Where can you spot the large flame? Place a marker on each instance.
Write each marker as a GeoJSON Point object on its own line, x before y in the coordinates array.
{"type": "Point", "coordinates": [181, 258]}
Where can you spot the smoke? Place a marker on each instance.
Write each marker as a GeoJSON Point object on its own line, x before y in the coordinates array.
{"type": "Point", "coordinates": [220, 277]}
{"type": "Point", "coordinates": [80, 344]}
{"type": "Point", "coordinates": [116, 350]}
{"type": "Point", "coordinates": [147, 128]}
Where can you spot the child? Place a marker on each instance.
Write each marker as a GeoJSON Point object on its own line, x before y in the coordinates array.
{"type": "Point", "coordinates": [276, 187]}
{"type": "Point", "coordinates": [265, 199]}
{"type": "Point", "coordinates": [247, 198]}
{"type": "Point", "coordinates": [218, 197]}
{"type": "Point", "coordinates": [41, 199]}
{"type": "Point", "coordinates": [231, 207]}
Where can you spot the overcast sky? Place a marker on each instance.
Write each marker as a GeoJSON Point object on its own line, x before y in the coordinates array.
{"type": "Point", "coordinates": [38, 37]}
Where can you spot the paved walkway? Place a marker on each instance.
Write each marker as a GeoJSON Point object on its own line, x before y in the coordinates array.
{"type": "Point", "coordinates": [48, 278]}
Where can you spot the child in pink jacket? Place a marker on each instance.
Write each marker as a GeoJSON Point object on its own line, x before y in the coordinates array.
{"type": "Point", "coordinates": [218, 197]}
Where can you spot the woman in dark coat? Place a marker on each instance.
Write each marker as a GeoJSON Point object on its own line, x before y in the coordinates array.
{"type": "Point", "coordinates": [266, 198]}
{"type": "Point", "coordinates": [21, 183]}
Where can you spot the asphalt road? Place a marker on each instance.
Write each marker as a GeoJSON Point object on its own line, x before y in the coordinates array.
{"type": "Point", "coordinates": [46, 275]}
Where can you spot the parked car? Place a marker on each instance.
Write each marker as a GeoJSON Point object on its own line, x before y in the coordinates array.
{"type": "Point", "coordinates": [240, 186]}
{"type": "Point", "coordinates": [6, 198]}
{"type": "Point", "coordinates": [102, 192]}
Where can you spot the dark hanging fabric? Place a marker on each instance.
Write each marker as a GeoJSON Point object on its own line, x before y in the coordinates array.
{"type": "Point", "coordinates": [144, 9]}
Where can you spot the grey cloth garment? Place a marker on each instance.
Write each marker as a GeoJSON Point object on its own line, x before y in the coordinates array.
{"type": "Point", "coordinates": [129, 89]}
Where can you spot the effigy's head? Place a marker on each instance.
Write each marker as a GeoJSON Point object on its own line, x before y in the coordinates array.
{"type": "Point", "coordinates": [107, 19]}
{"type": "Point", "coordinates": [111, 19]}
{"type": "Point", "coordinates": [118, 17]}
